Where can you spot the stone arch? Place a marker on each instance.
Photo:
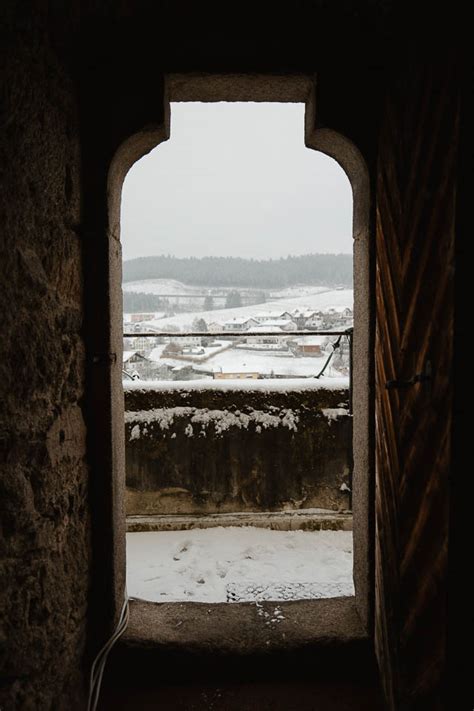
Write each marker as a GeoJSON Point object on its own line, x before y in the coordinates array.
{"type": "Point", "coordinates": [278, 89]}
{"type": "Point", "coordinates": [346, 153]}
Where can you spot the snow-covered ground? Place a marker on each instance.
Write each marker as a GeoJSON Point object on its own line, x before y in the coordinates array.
{"type": "Point", "coordinates": [227, 564]}
{"type": "Point", "coordinates": [299, 290]}
{"type": "Point", "coordinates": [240, 361]}
{"type": "Point", "coordinates": [209, 352]}
{"type": "Point", "coordinates": [236, 360]}
{"type": "Point", "coordinates": [173, 286]}
{"type": "Point", "coordinates": [162, 286]}
{"type": "Point", "coordinates": [337, 299]}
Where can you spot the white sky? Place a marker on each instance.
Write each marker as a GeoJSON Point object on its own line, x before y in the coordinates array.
{"type": "Point", "coordinates": [235, 179]}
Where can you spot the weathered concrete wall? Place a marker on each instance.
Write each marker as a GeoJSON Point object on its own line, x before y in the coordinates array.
{"type": "Point", "coordinates": [43, 488]}
{"type": "Point", "coordinates": [211, 451]}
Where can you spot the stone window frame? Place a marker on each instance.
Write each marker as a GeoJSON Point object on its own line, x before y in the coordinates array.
{"type": "Point", "coordinates": [275, 89]}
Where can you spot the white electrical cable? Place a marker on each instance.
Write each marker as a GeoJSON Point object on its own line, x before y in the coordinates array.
{"type": "Point", "coordinates": [98, 666]}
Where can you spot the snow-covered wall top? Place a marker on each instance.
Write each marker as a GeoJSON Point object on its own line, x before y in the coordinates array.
{"type": "Point", "coordinates": [226, 395]}
{"type": "Point", "coordinates": [232, 446]}
{"type": "Point", "coordinates": [286, 385]}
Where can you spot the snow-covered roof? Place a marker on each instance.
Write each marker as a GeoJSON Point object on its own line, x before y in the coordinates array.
{"type": "Point", "coordinates": [337, 310]}
{"type": "Point", "coordinates": [310, 341]}
{"type": "Point", "coordinates": [238, 321]}
{"type": "Point", "coordinates": [266, 327]}
{"type": "Point", "coordinates": [278, 322]}
{"type": "Point", "coordinates": [156, 353]}
{"type": "Point", "coordinates": [272, 315]}
{"type": "Point", "coordinates": [304, 311]}
{"type": "Point", "coordinates": [127, 355]}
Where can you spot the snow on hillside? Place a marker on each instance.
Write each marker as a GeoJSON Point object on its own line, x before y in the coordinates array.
{"type": "Point", "coordinates": [162, 286]}
{"type": "Point", "coordinates": [174, 286]}
{"type": "Point", "coordinates": [299, 290]}
{"type": "Point", "coordinates": [204, 565]}
{"type": "Point", "coordinates": [338, 299]}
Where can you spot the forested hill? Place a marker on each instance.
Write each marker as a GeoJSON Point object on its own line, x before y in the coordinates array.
{"type": "Point", "coordinates": [316, 269]}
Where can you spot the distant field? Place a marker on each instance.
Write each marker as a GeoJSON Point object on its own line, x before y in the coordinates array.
{"type": "Point", "coordinates": [321, 300]}
{"type": "Point", "coordinates": [243, 361]}
{"type": "Point", "coordinates": [161, 287]}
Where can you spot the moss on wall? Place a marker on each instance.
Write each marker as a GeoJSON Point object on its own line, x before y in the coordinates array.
{"type": "Point", "coordinates": [211, 451]}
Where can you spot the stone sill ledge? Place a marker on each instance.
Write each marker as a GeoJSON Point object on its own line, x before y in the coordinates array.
{"type": "Point", "coordinates": [243, 628]}
{"type": "Point", "coordinates": [185, 643]}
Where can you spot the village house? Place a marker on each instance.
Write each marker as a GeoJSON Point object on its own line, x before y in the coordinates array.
{"type": "Point", "coordinates": [215, 327]}
{"type": "Point", "coordinates": [142, 344]}
{"type": "Point", "coordinates": [240, 324]}
{"type": "Point", "coordinates": [236, 376]}
{"type": "Point", "coordinates": [136, 318]}
{"type": "Point", "coordinates": [265, 316]}
{"type": "Point", "coordinates": [171, 369]}
{"type": "Point", "coordinates": [135, 362]}
{"type": "Point", "coordinates": [331, 316]}
{"type": "Point", "coordinates": [313, 320]}
{"type": "Point", "coordinates": [307, 346]}
{"type": "Point", "coordinates": [186, 372]}
{"type": "Point", "coordinates": [132, 357]}
{"type": "Point", "coordinates": [283, 324]}
{"type": "Point", "coordinates": [182, 341]}
{"type": "Point", "coordinates": [266, 335]}
{"type": "Point", "coordinates": [192, 350]}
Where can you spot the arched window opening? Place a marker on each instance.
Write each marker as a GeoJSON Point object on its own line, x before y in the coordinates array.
{"type": "Point", "coordinates": [237, 288]}
{"type": "Point", "coordinates": [239, 88]}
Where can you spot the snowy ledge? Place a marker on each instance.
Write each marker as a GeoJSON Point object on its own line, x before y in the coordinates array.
{"type": "Point", "coordinates": [296, 443]}
{"type": "Point", "coordinates": [275, 386]}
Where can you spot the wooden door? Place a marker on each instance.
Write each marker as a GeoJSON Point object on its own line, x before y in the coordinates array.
{"type": "Point", "coordinates": [415, 203]}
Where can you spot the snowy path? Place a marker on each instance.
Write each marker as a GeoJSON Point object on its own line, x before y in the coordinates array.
{"type": "Point", "coordinates": [238, 564]}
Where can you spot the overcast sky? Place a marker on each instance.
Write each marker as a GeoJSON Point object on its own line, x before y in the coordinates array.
{"type": "Point", "coordinates": [236, 180]}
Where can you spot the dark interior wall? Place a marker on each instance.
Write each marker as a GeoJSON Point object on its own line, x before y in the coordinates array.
{"type": "Point", "coordinates": [461, 626]}
{"type": "Point", "coordinates": [44, 509]}
{"type": "Point", "coordinates": [120, 99]}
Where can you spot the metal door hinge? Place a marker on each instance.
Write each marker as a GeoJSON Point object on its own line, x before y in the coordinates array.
{"type": "Point", "coordinates": [423, 377]}
{"type": "Point", "coordinates": [104, 358]}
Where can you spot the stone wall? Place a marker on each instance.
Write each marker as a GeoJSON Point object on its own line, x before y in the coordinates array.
{"type": "Point", "coordinates": [44, 534]}
{"type": "Point", "coordinates": [207, 450]}
{"type": "Point", "coordinates": [118, 53]}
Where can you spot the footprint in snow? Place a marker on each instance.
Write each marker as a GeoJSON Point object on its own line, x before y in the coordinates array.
{"type": "Point", "coordinates": [221, 569]}
{"type": "Point", "coordinates": [185, 546]}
